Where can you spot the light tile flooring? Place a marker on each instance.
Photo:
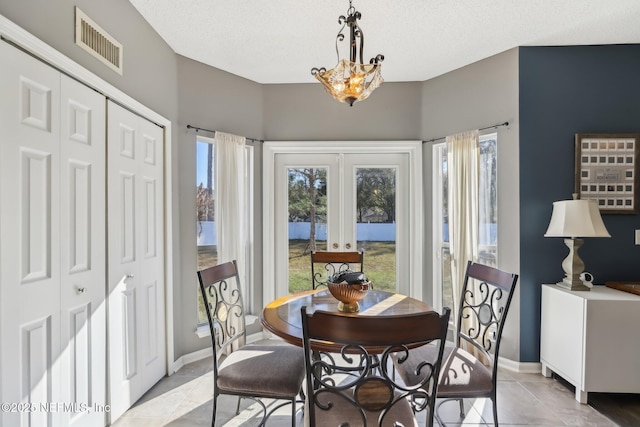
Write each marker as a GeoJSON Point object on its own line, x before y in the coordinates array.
{"type": "Point", "coordinates": [184, 400]}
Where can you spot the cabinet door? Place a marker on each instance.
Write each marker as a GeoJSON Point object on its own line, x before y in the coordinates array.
{"type": "Point", "coordinates": [612, 343]}
{"type": "Point", "coordinates": [137, 353]}
{"type": "Point", "coordinates": [562, 333]}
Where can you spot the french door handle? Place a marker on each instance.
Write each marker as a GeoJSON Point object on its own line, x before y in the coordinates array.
{"type": "Point", "coordinates": [348, 246]}
{"type": "Point", "coordinates": [335, 246]}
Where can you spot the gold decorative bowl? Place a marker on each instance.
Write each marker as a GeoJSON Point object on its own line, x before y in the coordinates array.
{"type": "Point", "coordinates": [348, 295]}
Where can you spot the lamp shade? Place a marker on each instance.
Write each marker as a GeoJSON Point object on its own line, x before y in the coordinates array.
{"type": "Point", "coordinates": [576, 218]}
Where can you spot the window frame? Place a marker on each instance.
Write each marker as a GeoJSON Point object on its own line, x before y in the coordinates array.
{"type": "Point", "coordinates": [202, 327]}
{"type": "Point", "coordinates": [439, 245]}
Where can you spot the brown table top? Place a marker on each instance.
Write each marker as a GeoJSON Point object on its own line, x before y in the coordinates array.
{"type": "Point", "coordinates": [282, 316]}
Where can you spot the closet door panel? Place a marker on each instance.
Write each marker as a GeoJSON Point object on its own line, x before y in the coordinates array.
{"type": "Point", "coordinates": [151, 251]}
{"type": "Point", "coordinates": [83, 254]}
{"type": "Point", "coordinates": [29, 226]}
{"type": "Point", "coordinates": [136, 257]}
{"type": "Point", "coordinates": [125, 382]}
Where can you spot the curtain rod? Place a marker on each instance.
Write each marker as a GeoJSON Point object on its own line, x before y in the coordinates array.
{"type": "Point", "coordinates": [484, 128]}
{"type": "Point", "coordinates": [213, 131]}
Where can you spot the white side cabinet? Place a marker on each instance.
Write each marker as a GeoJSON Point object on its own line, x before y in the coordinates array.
{"type": "Point", "coordinates": [591, 339]}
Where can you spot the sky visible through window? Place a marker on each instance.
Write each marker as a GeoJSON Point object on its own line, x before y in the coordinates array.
{"type": "Point", "coordinates": [201, 163]}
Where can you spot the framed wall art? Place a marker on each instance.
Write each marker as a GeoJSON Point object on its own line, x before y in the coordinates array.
{"type": "Point", "coordinates": [606, 170]}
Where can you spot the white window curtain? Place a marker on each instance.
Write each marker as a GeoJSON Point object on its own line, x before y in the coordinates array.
{"type": "Point", "coordinates": [231, 208]}
{"type": "Point", "coordinates": [463, 161]}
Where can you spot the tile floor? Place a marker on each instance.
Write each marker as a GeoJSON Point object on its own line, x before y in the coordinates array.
{"type": "Point", "coordinates": [184, 400]}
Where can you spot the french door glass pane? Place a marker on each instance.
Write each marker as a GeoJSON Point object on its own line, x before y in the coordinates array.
{"type": "Point", "coordinates": [307, 222]}
{"type": "Point", "coordinates": [376, 224]}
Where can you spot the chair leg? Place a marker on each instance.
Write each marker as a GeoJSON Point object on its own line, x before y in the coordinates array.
{"type": "Point", "coordinates": [495, 411]}
{"type": "Point", "coordinates": [238, 407]}
{"type": "Point", "coordinates": [293, 412]}
{"type": "Point", "coordinates": [436, 416]}
{"type": "Point", "coordinates": [213, 417]}
{"type": "Point", "coordinates": [461, 402]}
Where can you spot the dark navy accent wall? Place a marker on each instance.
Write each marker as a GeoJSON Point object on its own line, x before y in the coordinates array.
{"type": "Point", "coordinates": [564, 91]}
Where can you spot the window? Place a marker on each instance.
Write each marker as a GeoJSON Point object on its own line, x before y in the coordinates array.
{"type": "Point", "coordinates": [488, 215]}
{"type": "Point", "coordinates": [206, 208]}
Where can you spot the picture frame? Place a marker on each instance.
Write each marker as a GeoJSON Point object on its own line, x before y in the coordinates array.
{"type": "Point", "coordinates": [606, 170]}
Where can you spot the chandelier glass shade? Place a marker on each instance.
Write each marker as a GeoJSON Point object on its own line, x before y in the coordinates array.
{"type": "Point", "coordinates": [351, 80]}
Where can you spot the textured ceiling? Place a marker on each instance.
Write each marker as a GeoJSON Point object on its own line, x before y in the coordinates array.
{"type": "Point", "coordinates": [279, 41]}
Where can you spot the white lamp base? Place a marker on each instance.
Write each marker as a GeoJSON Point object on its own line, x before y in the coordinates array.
{"type": "Point", "coordinates": [573, 267]}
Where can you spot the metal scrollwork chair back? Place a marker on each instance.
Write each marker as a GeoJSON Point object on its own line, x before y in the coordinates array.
{"type": "Point", "coordinates": [356, 386]}
{"type": "Point", "coordinates": [327, 264]}
{"type": "Point", "coordinates": [252, 371]}
{"type": "Point", "coordinates": [471, 366]}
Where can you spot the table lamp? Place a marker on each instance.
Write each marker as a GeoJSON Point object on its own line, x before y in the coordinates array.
{"type": "Point", "coordinates": [573, 219]}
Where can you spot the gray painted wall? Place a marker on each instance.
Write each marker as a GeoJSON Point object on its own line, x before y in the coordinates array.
{"type": "Point", "coordinates": [299, 112]}
{"type": "Point", "coordinates": [472, 97]}
{"type": "Point", "coordinates": [212, 99]}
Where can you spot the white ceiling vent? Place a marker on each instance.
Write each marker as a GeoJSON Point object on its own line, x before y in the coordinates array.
{"type": "Point", "coordinates": [98, 42]}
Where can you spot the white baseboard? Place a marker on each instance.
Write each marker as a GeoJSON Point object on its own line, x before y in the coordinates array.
{"type": "Point", "coordinates": [206, 352]}
{"type": "Point", "coordinates": [520, 367]}
{"type": "Point", "coordinates": [190, 358]}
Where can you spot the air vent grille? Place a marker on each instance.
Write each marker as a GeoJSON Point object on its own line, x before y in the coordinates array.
{"type": "Point", "coordinates": [98, 42]}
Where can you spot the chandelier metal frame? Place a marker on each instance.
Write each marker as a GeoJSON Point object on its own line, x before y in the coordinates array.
{"type": "Point", "coordinates": [350, 81]}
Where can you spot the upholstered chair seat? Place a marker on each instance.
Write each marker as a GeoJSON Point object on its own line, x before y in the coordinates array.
{"type": "Point", "coordinates": [460, 371]}
{"type": "Point", "coordinates": [244, 371]}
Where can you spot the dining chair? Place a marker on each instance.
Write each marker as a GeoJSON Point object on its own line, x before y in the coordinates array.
{"type": "Point", "coordinates": [470, 367]}
{"type": "Point", "coordinates": [253, 371]}
{"type": "Point", "coordinates": [355, 387]}
{"type": "Point", "coordinates": [334, 263]}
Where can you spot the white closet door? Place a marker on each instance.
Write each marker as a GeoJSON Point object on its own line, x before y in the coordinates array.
{"type": "Point", "coordinates": [83, 254]}
{"type": "Point", "coordinates": [29, 218]}
{"type": "Point", "coordinates": [52, 225]}
{"type": "Point", "coordinates": [137, 353]}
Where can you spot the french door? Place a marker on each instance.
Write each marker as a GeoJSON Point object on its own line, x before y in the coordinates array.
{"type": "Point", "coordinates": [341, 197]}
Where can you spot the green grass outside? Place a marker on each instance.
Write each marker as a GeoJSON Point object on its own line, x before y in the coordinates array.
{"type": "Point", "coordinates": [379, 264]}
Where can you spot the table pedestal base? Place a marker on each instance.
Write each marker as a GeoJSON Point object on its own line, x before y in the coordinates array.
{"type": "Point", "coordinates": [348, 307]}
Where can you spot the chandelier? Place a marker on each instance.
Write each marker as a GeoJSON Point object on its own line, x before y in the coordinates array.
{"type": "Point", "coordinates": [351, 81]}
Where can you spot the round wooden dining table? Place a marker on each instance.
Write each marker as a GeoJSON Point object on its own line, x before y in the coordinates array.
{"type": "Point", "coordinates": [282, 316]}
